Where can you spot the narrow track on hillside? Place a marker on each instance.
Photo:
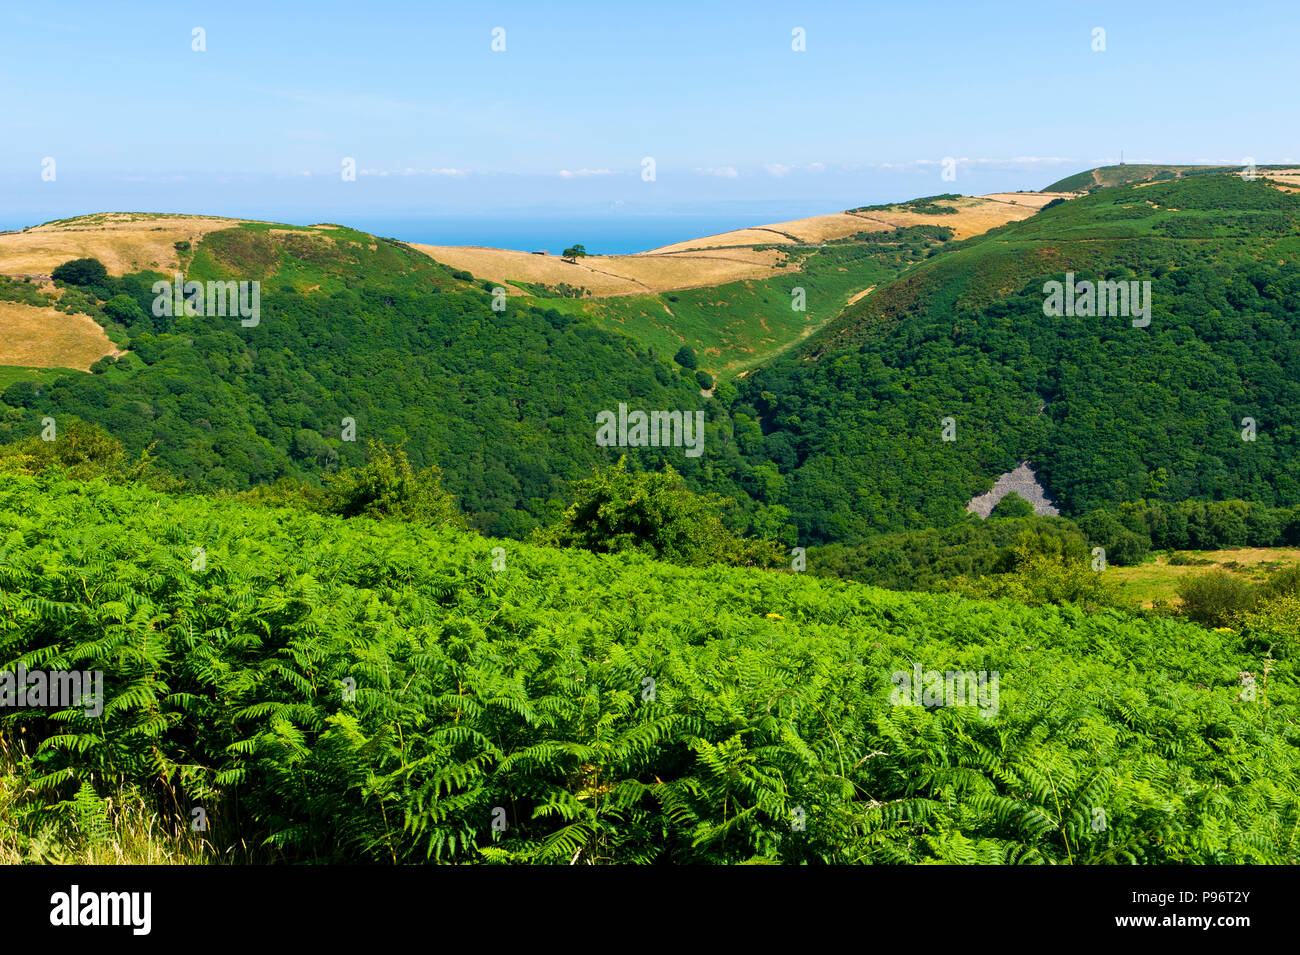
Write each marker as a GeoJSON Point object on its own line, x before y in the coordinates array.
{"type": "Point", "coordinates": [863, 215]}
{"type": "Point", "coordinates": [616, 275]}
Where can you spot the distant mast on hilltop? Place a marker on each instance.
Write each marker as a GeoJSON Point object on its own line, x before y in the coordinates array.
{"type": "Point", "coordinates": [1121, 157]}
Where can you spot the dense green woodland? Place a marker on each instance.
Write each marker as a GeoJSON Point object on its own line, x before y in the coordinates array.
{"type": "Point", "coordinates": [505, 402]}
{"type": "Point", "coordinates": [607, 708]}
{"type": "Point", "coordinates": [1106, 412]}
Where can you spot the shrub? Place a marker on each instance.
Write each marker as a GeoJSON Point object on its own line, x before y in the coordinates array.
{"type": "Point", "coordinates": [1128, 548]}
{"type": "Point", "coordinates": [686, 357]}
{"type": "Point", "coordinates": [1044, 578]}
{"type": "Point", "coordinates": [82, 451]}
{"type": "Point", "coordinates": [617, 510]}
{"type": "Point", "coordinates": [387, 486]}
{"type": "Point", "coordinates": [287, 492]}
{"type": "Point", "coordinates": [1284, 582]}
{"type": "Point", "coordinates": [1013, 505]}
{"type": "Point", "coordinates": [84, 448]}
{"type": "Point", "coordinates": [1280, 618]}
{"type": "Point", "coordinates": [21, 394]}
{"type": "Point", "coordinates": [81, 272]}
{"type": "Point", "coordinates": [704, 379]}
{"type": "Point", "coordinates": [1123, 546]}
{"type": "Point", "coordinates": [1214, 598]}
{"type": "Point", "coordinates": [127, 311]}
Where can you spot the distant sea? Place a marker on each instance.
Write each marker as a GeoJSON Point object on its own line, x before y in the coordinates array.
{"type": "Point", "coordinates": [599, 234]}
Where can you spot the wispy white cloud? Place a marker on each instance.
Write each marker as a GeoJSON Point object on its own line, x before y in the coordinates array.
{"type": "Point", "coordinates": [408, 171]}
{"type": "Point", "coordinates": [979, 161]}
{"type": "Point", "coordinates": [1005, 163]}
{"type": "Point", "coordinates": [174, 178]}
{"type": "Point", "coordinates": [583, 173]}
{"type": "Point", "coordinates": [780, 170]}
{"type": "Point", "coordinates": [62, 26]}
{"type": "Point", "coordinates": [723, 172]}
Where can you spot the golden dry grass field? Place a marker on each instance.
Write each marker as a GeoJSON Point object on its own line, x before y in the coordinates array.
{"type": "Point", "coordinates": [813, 229]}
{"type": "Point", "coordinates": [1288, 180]}
{"type": "Point", "coordinates": [975, 214]}
{"type": "Point", "coordinates": [47, 338]}
{"type": "Point", "coordinates": [123, 241]}
{"type": "Point", "coordinates": [605, 275]}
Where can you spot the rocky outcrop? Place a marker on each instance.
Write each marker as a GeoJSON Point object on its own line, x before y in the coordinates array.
{"type": "Point", "coordinates": [1021, 481]}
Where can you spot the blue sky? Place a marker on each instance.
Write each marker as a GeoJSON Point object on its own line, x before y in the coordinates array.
{"type": "Point", "coordinates": [440, 124]}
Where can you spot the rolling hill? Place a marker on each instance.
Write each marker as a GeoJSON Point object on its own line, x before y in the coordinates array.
{"type": "Point", "coordinates": [751, 253]}
{"type": "Point", "coordinates": [663, 298]}
{"type": "Point", "coordinates": [374, 331]}
{"type": "Point", "coordinates": [1104, 177]}
{"type": "Point", "coordinates": [123, 241]}
{"type": "Point", "coordinates": [1105, 411]}
{"type": "Point", "coordinates": [359, 339]}
{"type": "Point", "coordinates": [729, 296]}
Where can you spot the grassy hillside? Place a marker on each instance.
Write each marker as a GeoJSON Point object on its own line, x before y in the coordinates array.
{"type": "Point", "coordinates": [1156, 581]}
{"type": "Point", "coordinates": [32, 336]}
{"type": "Point", "coordinates": [353, 690]}
{"type": "Point", "coordinates": [1104, 177]}
{"type": "Point", "coordinates": [729, 296]}
{"type": "Point", "coordinates": [735, 327]}
{"type": "Point", "coordinates": [40, 334]}
{"type": "Point", "coordinates": [123, 241]}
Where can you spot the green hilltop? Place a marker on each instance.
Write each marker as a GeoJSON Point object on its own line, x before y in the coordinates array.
{"type": "Point", "coordinates": [1126, 174]}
